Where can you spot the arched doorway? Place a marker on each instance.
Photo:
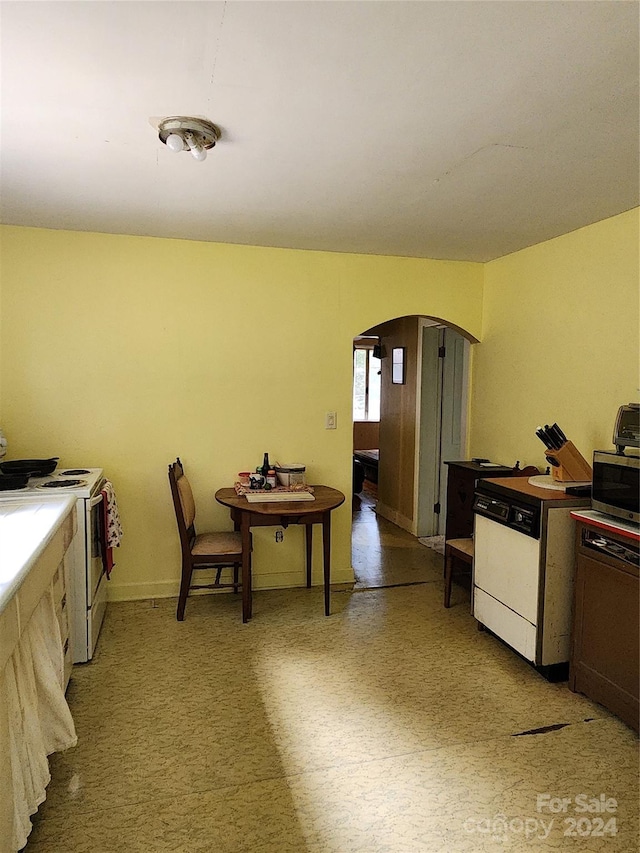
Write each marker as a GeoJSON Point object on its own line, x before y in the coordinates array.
{"type": "Point", "coordinates": [422, 423]}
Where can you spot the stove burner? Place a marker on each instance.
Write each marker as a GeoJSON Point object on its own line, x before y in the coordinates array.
{"type": "Point", "coordinates": [74, 472]}
{"type": "Point", "coordinates": [62, 484]}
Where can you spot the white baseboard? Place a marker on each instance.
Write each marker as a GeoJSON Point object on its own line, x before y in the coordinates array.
{"type": "Point", "coordinates": [170, 588]}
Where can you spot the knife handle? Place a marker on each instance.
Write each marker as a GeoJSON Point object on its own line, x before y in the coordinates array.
{"type": "Point", "coordinates": [543, 438]}
{"type": "Point", "coordinates": [560, 432]}
{"type": "Point", "coordinates": [558, 435]}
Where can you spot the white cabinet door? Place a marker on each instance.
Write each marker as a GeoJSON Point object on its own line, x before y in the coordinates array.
{"type": "Point", "coordinates": [506, 566]}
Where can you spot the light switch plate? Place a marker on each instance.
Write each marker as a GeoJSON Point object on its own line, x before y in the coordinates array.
{"type": "Point", "coordinates": [330, 420]}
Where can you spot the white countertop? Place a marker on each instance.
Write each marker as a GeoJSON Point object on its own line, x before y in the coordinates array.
{"type": "Point", "coordinates": [26, 528]}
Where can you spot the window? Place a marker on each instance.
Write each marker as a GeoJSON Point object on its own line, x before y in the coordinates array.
{"type": "Point", "coordinates": [397, 366]}
{"type": "Point", "coordinates": [366, 385]}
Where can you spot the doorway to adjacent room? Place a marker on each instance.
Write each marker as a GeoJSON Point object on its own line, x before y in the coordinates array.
{"type": "Point", "coordinates": [409, 412]}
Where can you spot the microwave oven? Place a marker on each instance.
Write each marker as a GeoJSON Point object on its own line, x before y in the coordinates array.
{"type": "Point", "coordinates": [616, 489]}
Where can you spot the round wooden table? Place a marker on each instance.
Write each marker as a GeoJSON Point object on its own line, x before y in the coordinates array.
{"type": "Point", "coordinates": [246, 515]}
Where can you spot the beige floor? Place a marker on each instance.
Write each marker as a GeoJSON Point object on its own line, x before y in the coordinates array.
{"type": "Point", "coordinates": [383, 554]}
{"type": "Point", "coordinates": [391, 726]}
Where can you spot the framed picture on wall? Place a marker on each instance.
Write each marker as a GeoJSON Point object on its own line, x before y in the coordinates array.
{"type": "Point", "coordinates": [397, 365]}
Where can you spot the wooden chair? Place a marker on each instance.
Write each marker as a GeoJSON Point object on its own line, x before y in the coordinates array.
{"type": "Point", "coordinates": [461, 549]}
{"type": "Point", "coordinates": [200, 550]}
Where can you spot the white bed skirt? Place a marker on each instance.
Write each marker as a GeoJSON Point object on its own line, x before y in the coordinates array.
{"type": "Point", "coordinates": [35, 721]}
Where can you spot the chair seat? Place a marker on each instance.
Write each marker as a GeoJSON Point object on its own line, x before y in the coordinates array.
{"type": "Point", "coordinates": [462, 546]}
{"type": "Point", "coordinates": [217, 543]}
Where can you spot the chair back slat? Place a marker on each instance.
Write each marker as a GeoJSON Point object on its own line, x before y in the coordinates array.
{"type": "Point", "coordinates": [186, 530]}
{"type": "Point", "coordinates": [186, 501]}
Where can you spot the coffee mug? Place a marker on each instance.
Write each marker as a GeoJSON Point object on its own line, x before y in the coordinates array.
{"type": "Point", "coordinates": [256, 481]}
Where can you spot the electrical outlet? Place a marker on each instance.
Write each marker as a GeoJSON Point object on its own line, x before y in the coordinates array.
{"type": "Point", "coordinates": [330, 420]}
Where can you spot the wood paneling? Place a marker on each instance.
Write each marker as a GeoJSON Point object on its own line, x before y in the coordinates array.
{"type": "Point", "coordinates": [398, 422]}
{"type": "Point", "coordinates": [366, 435]}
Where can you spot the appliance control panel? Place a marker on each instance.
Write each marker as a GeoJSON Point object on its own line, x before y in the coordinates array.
{"type": "Point", "coordinates": [491, 507]}
{"type": "Point", "coordinates": [523, 519]}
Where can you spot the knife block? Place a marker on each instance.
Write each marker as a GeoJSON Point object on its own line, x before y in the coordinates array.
{"type": "Point", "coordinates": [571, 465]}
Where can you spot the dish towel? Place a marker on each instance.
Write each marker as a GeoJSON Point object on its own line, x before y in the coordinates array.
{"type": "Point", "coordinates": [111, 526]}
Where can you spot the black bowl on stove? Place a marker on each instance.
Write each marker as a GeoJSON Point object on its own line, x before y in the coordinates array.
{"type": "Point", "coordinates": [13, 481]}
{"type": "Point", "coordinates": [30, 467]}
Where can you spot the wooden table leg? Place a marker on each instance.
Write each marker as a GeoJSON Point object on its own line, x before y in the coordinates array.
{"type": "Point", "coordinates": [236, 588]}
{"type": "Point", "coordinates": [309, 543]}
{"type": "Point", "coordinates": [245, 529]}
{"type": "Point", "coordinates": [326, 550]}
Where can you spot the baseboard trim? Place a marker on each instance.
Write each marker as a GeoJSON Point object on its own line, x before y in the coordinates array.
{"type": "Point", "coordinates": [395, 517]}
{"type": "Point", "coordinates": [170, 588]}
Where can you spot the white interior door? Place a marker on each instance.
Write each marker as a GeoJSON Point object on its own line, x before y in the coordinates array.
{"type": "Point", "coordinates": [428, 444]}
{"type": "Point", "coordinates": [442, 422]}
{"type": "Point", "coordinates": [453, 422]}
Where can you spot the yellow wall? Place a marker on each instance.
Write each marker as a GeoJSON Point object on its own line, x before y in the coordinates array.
{"type": "Point", "coordinates": [559, 343]}
{"type": "Point", "coordinates": [124, 352]}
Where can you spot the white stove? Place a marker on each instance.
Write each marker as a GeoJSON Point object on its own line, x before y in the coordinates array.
{"type": "Point", "coordinates": [87, 580]}
{"type": "Point", "coordinates": [81, 482]}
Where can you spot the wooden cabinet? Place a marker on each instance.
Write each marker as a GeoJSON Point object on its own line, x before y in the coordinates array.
{"type": "Point", "coordinates": [604, 646]}
{"type": "Point", "coordinates": [461, 484]}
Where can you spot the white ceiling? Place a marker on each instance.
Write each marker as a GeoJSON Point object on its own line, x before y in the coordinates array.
{"type": "Point", "coordinates": [460, 130]}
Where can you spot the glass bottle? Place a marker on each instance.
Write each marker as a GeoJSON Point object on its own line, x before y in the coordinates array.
{"type": "Point", "coordinates": [265, 466]}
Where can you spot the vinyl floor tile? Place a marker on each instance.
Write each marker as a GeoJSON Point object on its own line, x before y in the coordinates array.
{"type": "Point", "coordinates": [478, 797]}
{"type": "Point", "coordinates": [391, 726]}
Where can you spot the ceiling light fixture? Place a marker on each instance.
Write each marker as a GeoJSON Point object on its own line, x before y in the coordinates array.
{"type": "Point", "coordinates": [196, 135]}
